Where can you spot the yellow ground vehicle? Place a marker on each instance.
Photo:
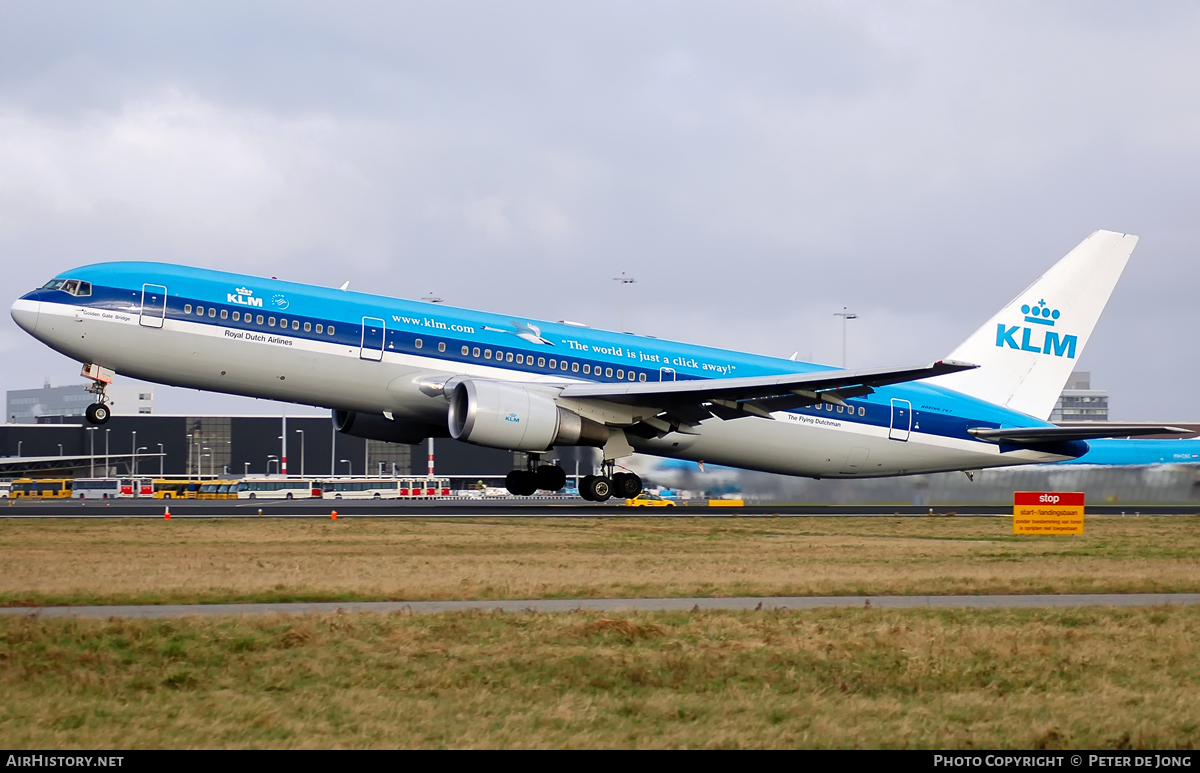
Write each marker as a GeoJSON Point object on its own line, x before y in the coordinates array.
{"type": "Point", "coordinates": [176, 489]}
{"type": "Point", "coordinates": [646, 499]}
{"type": "Point", "coordinates": [218, 489]}
{"type": "Point", "coordinates": [42, 488]}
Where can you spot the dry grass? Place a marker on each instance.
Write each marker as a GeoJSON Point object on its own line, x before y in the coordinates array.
{"type": "Point", "coordinates": [90, 561]}
{"type": "Point", "coordinates": [1094, 678]}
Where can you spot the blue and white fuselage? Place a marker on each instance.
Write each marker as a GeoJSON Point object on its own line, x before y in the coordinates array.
{"type": "Point", "coordinates": [383, 357]}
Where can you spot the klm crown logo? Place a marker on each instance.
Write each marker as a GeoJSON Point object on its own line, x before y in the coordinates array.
{"type": "Point", "coordinates": [1042, 315]}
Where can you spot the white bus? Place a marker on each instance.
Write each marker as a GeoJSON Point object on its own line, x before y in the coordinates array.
{"type": "Point", "coordinates": [112, 488]}
{"type": "Point", "coordinates": [278, 488]}
{"type": "Point", "coordinates": [385, 488]}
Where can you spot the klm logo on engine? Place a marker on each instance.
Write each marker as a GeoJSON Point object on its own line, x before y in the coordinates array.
{"type": "Point", "coordinates": [1037, 339]}
{"type": "Point", "coordinates": [243, 297]}
{"type": "Point", "coordinates": [513, 418]}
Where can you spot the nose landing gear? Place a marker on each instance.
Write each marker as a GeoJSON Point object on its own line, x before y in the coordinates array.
{"type": "Point", "coordinates": [98, 412]}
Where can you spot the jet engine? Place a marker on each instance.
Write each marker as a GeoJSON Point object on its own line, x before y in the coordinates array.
{"type": "Point", "coordinates": [376, 426]}
{"type": "Point", "coordinates": [512, 416]}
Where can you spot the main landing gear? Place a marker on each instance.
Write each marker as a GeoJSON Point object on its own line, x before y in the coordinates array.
{"type": "Point", "coordinates": [593, 488]}
{"type": "Point", "coordinates": [545, 477]}
{"type": "Point", "coordinates": [599, 488]}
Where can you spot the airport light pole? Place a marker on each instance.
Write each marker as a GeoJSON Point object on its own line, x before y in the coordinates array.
{"type": "Point", "coordinates": [349, 467]}
{"type": "Point", "coordinates": [624, 280]}
{"type": "Point", "coordinates": [162, 455]}
{"type": "Point", "coordinates": [301, 433]}
{"type": "Point", "coordinates": [845, 315]}
{"type": "Point", "coordinates": [91, 451]}
{"type": "Point", "coordinates": [133, 445]}
{"type": "Point", "coordinates": [246, 471]}
{"type": "Point", "coordinates": [106, 451]}
{"type": "Point", "coordinates": [135, 453]}
{"type": "Point", "coordinates": [332, 450]}
{"type": "Point", "coordinates": [60, 449]}
{"type": "Point", "coordinates": [210, 460]}
{"type": "Point", "coordinates": [272, 458]}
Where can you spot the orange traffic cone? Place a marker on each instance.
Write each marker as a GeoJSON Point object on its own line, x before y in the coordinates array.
{"type": "Point", "coordinates": [333, 515]}
{"type": "Point", "coordinates": [167, 513]}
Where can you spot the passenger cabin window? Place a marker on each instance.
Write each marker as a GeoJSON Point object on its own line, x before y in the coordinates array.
{"type": "Point", "coordinates": [563, 365]}
{"type": "Point", "coordinates": [586, 368]}
{"type": "Point", "coordinates": [283, 324]}
{"type": "Point", "coordinates": [212, 312]}
{"type": "Point", "coordinates": [862, 411]}
{"type": "Point", "coordinates": [508, 357]}
{"type": "Point", "coordinates": [553, 364]}
{"type": "Point", "coordinates": [608, 372]}
{"type": "Point", "coordinates": [475, 352]}
{"type": "Point", "coordinates": [642, 377]}
{"type": "Point", "coordinates": [187, 308]}
{"type": "Point", "coordinates": [199, 311]}
{"type": "Point", "coordinates": [270, 322]}
{"type": "Point", "coordinates": [237, 315]}
{"type": "Point", "coordinates": [621, 374]}
{"type": "Point", "coordinates": [631, 376]}
{"type": "Point", "coordinates": [329, 330]}
{"type": "Point", "coordinates": [542, 362]}
{"type": "Point", "coordinates": [487, 354]}
{"type": "Point", "coordinates": [418, 343]}
{"type": "Point", "coordinates": [574, 366]}
{"type": "Point", "coordinates": [320, 328]}
{"type": "Point", "coordinates": [466, 350]}
{"type": "Point", "coordinates": [295, 324]}
{"type": "Point", "coordinates": [259, 319]}
{"type": "Point", "coordinates": [224, 314]}
{"type": "Point", "coordinates": [520, 359]}
{"type": "Point", "coordinates": [307, 327]}
{"type": "Point", "coordinates": [441, 346]}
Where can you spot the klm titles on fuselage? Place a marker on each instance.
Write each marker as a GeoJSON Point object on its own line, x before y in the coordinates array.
{"type": "Point", "coordinates": [1051, 343]}
{"type": "Point", "coordinates": [244, 297]}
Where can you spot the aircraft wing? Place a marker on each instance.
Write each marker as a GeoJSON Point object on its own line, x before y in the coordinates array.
{"type": "Point", "coordinates": [758, 395]}
{"type": "Point", "coordinates": [1035, 435]}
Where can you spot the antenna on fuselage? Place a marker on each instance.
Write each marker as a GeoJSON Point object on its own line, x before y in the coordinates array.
{"type": "Point", "coordinates": [345, 285]}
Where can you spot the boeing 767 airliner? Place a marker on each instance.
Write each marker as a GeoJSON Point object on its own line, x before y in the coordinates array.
{"type": "Point", "coordinates": [403, 371]}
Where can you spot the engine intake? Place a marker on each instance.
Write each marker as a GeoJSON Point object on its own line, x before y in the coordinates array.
{"type": "Point", "coordinates": [502, 415]}
{"type": "Point", "coordinates": [376, 426]}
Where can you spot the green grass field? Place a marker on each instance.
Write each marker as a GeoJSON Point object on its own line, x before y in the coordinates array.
{"type": "Point", "coordinates": [155, 561]}
{"type": "Point", "coordinates": [1090, 678]}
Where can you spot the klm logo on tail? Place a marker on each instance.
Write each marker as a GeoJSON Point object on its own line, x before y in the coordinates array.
{"type": "Point", "coordinates": [1043, 317]}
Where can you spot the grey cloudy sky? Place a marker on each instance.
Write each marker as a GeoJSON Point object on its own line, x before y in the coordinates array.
{"type": "Point", "coordinates": [757, 166]}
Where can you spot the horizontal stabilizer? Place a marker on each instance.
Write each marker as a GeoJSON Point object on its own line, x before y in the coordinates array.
{"type": "Point", "coordinates": [1036, 435]}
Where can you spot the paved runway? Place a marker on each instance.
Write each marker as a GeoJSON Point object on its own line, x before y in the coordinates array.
{"type": "Point", "coordinates": [384, 508]}
{"type": "Point", "coordinates": [619, 605]}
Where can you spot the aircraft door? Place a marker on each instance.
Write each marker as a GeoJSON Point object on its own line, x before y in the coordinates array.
{"type": "Point", "coordinates": [666, 374]}
{"type": "Point", "coordinates": [901, 420]}
{"type": "Point", "coordinates": [373, 334]}
{"type": "Point", "coordinates": [154, 305]}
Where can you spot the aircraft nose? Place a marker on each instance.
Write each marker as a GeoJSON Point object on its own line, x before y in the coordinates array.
{"type": "Point", "coordinates": [25, 313]}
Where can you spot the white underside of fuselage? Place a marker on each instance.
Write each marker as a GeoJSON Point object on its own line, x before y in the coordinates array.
{"type": "Point", "coordinates": [278, 366]}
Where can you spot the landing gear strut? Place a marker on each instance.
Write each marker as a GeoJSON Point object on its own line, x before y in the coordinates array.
{"type": "Point", "coordinates": [536, 477]}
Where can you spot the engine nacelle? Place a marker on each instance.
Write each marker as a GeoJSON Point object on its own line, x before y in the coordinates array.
{"type": "Point", "coordinates": [514, 417]}
{"type": "Point", "coordinates": [376, 426]}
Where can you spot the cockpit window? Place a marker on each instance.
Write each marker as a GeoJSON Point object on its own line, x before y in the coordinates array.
{"type": "Point", "coordinates": [72, 286]}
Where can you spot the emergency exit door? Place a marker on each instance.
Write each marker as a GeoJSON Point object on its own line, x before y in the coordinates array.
{"type": "Point", "coordinates": [373, 335]}
{"type": "Point", "coordinates": [901, 420]}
